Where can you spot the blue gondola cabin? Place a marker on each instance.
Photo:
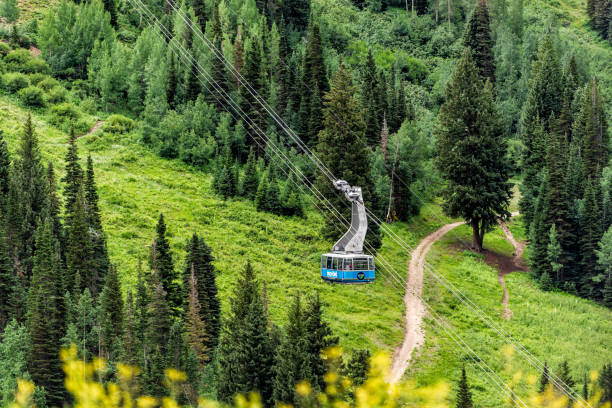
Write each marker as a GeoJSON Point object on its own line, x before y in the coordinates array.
{"type": "Point", "coordinates": [348, 268]}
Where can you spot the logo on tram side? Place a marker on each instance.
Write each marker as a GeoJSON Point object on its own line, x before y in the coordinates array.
{"type": "Point", "coordinates": [332, 274]}
{"type": "Point", "coordinates": [360, 275]}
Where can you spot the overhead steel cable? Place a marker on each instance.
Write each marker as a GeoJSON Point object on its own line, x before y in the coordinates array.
{"type": "Point", "coordinates": [248, 121]}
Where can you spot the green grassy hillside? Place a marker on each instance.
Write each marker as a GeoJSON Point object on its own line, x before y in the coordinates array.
{"type": "Point", "coordinates": [135, 186]}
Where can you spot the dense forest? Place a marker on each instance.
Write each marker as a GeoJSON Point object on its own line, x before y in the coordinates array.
{"type": "Point", "coordinates": [452, 101]}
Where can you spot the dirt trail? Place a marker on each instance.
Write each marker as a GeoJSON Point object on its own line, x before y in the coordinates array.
{"type": "Point", "coordinates": [414, 335]}
{"type": "Point", "coordinates": [518, 263]}
{"type": "Point", "coordinates": [94, 128]}
{"type": "Point", "coordinates": [415, 310]}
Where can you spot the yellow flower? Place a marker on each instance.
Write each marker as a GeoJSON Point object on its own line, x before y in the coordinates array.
{"type": "Point", "coordinates": [303, 388]}
{"type": "Point", "coordinates": [175, 376]}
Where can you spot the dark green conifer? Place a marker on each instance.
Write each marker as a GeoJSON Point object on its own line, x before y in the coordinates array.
{"type": "Point", "coordinates": [262, 192]}
{"type": "Point", "coordinates": [45, 319]}
{"type": "Point", "coordinates": [607, 293]}
{"type": "Point", "coordinates": [7, 280]}
{"type": "Point", "coordinates": [589, 239]}
{"type": "Point", "coordinates": [54, 206]}
{"type": "Point", "coordinates": [141, 319]}
{"type": "Point", "coordinates": [478, 39]}
{"type": "Point", "coordinates": [200, 260]}
{"type": "Point", "coordinates": [250, 180]}
{"type": "Point", "coordinates": [5, 173]}
{"type": "Point", "coordinates": [111, 9]}
{"type": "Point", "coordinates": [472, 152]}
{"type": "Point", "coordinates": [544, 379]}
{"type": "Point", "coordinates": [98, 237]}
{"type": "Point", "coordinates": [539, 232]}
{"type": "Point", "coordinates": [172, 82]}
{"type": "Point", "coordinates": [291, 355]}
{"type": "Point", "coordinates": [30, 200]}
{"type": "Point", "coordinates": [464, 395]}
{"type": "Point", "coordinates": [196, 333]}
{"type": "Point", "coordinates": [545, 98]}
{"type": "Point", "coordinates": [130, 344]}
{"type": "Point", "coordinates": [565, 377]}
{"type": "Point", "coordinates": [161, 262]}
{"type": "Point", "coordinates": [296, 13]}
{"type": "Point", "coordinates": [344, 153]}
{"type": "Point", "coordinates": [319, 338]}
{"type": "Point", "coordinates": [314, 84]}
{"type": "Point", "coordinates": [111, 315]}
{"type": "Point", "coordinates": [73, 179]}
{"type": "Point", "coordinates": [79, 250]}
{"type": "Point", "coordinates": [253, 74]}
{"type": "Point", "coordinates": [358, 366]}
{"type": "Point", "coordinates": [246, 357]}
{"type": "Point", "coordinates": [591, 126]}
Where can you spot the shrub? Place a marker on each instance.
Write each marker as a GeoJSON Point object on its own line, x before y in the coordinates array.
{"type": "Point", "coordinates": [32, 96]}
{"type": "Point", "coordinates": [37, 78]}
{"type": "Point", "coordinates": [57, 94]}
{"type": "Point", "coordinates": [4, 48]}
{"type": "Point", "coordinates": [14, 81]}
{"type": "Point", "coordinates": [119, 124]}
{"type": "Point", "coordinates": [21, 60]}
{"type": "Point", "coordinates": [48, 83]}
{"type": "Point", "coordinates": [35, 65]}
{"type": "Point", "coordinates": [66, 116]}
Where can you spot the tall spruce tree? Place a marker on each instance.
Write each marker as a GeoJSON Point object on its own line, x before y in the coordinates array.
{"type": "Point", "coordinates": [539, 232]}
{"type": "Point", "coordinates": [478, 39]}
{"type": "Point", "coordinates": [314, 84]}
{"type": "Point", "coordinates": [591, 127]}
{"type": "Point", "coordinates": [246, 357]}
{"type": "Point", "coordinates": [79, 251]}
{"type": "Point", "coordinates": [55, 207]}
{"type": "Point", "coordinates": [590, 281]}
{"type": "Point", "coordinates": [544, 378]}
{"type": "Point", "coordinates": [464, 395]}
{"type": "Point", "coordinates": [341, 150]}
{"type": "Point", "coordinates": [130, 346]}
{"type": "Point", "coordinates": [7, 280]}
{"type": "Point", "coordinates": [253, 75]}
{"type": "Point", "coordinates": [45, 319]}
{"type": "Point", "coordinates": [295, 13]}
{"type": "Point", "coordinates": [5, 174]}
{"type": "Point", "coordinates": [98, 237]}
{"type": "Point", "coordinates": [291, 355]}
{"type": "Point", "coordinates": [73, 179]}
{"type": "Point", "coordinates": [472, 152]}
{"type": "Point", "coordinates": [161, 262]}
{"type": "Point", "coordinates": [250, 180]}
{"type": "Point", "coordinates": [196, 333]}
{"type": "Point", "coordinates": [111, 315]}
{"type": "Point", "coordinates": [200, 260]}
{"type": "Point", "coordinates": [319, 338]}
{"type": "Point", "coordinates": [358, 366]}
{"type": "Point", "coordinates": [544, 99]}
{"type": "Point", "coordinates": [29, 200]}
{"type": "Point", "coordinates": [565, 376]}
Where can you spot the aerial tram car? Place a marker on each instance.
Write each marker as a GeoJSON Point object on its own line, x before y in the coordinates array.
{"type": "Point", "coordinates": [347, 263]}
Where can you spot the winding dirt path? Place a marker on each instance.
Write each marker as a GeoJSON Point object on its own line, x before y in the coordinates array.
{"type": "Point", "coordinates": [94, 128]}
{"type": "Point", "coordinates": [414, 335]}
{"type": "Point", "coordinates": [518, 263]}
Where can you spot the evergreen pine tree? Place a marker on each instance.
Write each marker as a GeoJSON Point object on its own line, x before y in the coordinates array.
{"type": "Point", "coordinates": [554, 253]}
{"type": "Point", "coordinates": [565, 376]}
{"type": "Point", "coordinates": [111, 315]}
{"type": "Point", "coordinates": [344, 153]}
{"type": "Point", "coordinates": [607, 293]}
{"type": "Point", "coordinates": [172, 82]}
{"type": "Point", "coordinates": [29, 200]}
{"type": "Point", "coordinates": [291, 355]}
{"type": "Point", "coordinates": [252, 73]}
{"type": "Point", "coordinates": [544, 379]}
{"type": "Point", "coordinates": [261, 197]}
{"type": "Point", "coordinates": [319, 338]}
{"type": "Point", "coordinates": [539, 233]}
{"type": "Point", "coordinates": [544, 100]}
{"type": "Point", "coordinates": [472, 152]}
{"type": "Point", "coordinates": [54, 207]}
{"type": "Point", "coordinates": [314, 84]}
{"type": "Point", "coordinates": [196, 331]}
{"type": "Point", "coordinates": [246, 356]}
{"type": "Point", "coordinates": [98, 237]}
{"type": "Point", "coordinates": [73, 178]}
{"type": "Point", "coordinates": [464, 395]}
{"type": "Point", "coordinates": [7, 280]}
{"type": "Point", "coordinates": [161, 261]}
{"type": "Point", "coordinates": [590, 236]}
{"type": "Point", "coordinates": [79, 251]}
{"type": "Point", "coordinates": [585, 388]}
{"type": "Point", "coordinates": [141, 319]}
{"type": "Point", "coordinates": [250, 180]}
{"type": "Point", "coordinates": [478, 39]}
{"type": "Point", "coordinates": [591, 126]}
{"type": "Point", "coordinates": [273, 203]}
{"type": "Point", "coordinates": [605, 382]}
{"type": "Point", "coordinates": [45, 320]}
{"type": "Point", "coordinates": [358, 366]}
{"type": "Point", "coordinates": [199, 257]}
{"type": "Point", "coordinates": [129, 342]}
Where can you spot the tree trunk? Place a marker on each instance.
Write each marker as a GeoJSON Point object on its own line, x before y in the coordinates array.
{"type": "Point", "coordinates": [476, 237]}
